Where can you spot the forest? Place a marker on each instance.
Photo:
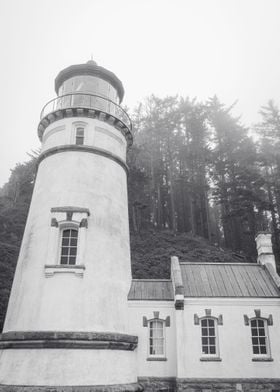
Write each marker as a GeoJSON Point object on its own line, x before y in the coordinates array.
{"type": "Point", "coordinates": [201, 185]}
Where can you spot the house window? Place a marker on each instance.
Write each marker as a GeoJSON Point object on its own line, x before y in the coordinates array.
{"type": "Point", "coordinates": [69, 244]}
{"type": "Point", "coordinates": [259, 336]}
{"type": "Point", "coordinates": [156, 338]}
{"type": "Point", "coordinates": [208, 336]}
{"type": "Point", "coordinates": [259, 324]}
{"type": "Point", "coordinates": [80, 134]}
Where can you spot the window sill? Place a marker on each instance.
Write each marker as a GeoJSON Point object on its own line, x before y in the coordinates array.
{"type": "Point", "coordinates": [262, 359]}
{"type": "Point", "coordinates": [51, 269]}
{"type": "Point", "coordinates": [210, 359]}
{"type": "Point", "coordinates": [156, 359]}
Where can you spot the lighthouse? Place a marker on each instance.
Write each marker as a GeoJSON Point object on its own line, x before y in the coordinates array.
{"type": "Point", "coordinates": [67, 319]}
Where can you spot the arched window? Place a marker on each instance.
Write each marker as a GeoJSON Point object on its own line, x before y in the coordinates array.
{"type": "Point", "coordinates": [209, 325]}
{"type": "Point", "coordinates": [156, 337]}
{"type": "Point", "coordinates": [259, 324]}
{"type": "Point", "coordinates": [259, 336]}
{"type": "Point", "coordinates": [208, 336]}
{"type": "Point", "coordinates": [69, 243]}
{"type": "Point", "coordinates": [80, 135]}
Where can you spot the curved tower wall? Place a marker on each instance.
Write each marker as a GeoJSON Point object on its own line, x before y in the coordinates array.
{"type": "Point", "coordinates": [65, 300]}
{"type": "Point", "coordinates": [74, 317]}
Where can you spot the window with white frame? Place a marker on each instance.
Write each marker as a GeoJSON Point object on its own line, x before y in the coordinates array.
{"type": "Point", "coordinates": [208, 336]}
{"type": "Point", "coordinates": [156, 338]}
{"type": "Point", "coordinates": [69, 246]}
{"type": "Point", "coordinates": [80, 135]}
{"type": "Point", "coordinates": [260, 344]}
{"type": "Point", "coordinates": [67, 239]}
{"type": "Point", "coordinates": [259, 336]}
{"type": "Point", "coordinates": [209, 341]}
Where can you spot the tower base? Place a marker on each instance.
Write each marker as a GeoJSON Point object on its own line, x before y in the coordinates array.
{"type": "Point", "coordinates": [96, 388]}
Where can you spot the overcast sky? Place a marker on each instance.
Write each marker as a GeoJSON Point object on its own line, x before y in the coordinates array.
{"type": "Point", "coordinates": [194, 48]}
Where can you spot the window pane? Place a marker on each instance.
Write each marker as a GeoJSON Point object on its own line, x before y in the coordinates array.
{"type": "Point", "coordinates": [64, 251]}
{"type": "Point", "coordinates": [204, 323]}
{"type": "Point", "coordinates": [63, 260]}
{"type": "Point", "coordinates": [65, 241]}
{"type": "Point", "coordinates": [73, 242]}
{"type": "Point", "coordinates": [212, 350]}
{"type": "Point", "coordinates": [204, 332]}
{"type": "Point", "coordinates": [255, 349]}
{"type": "Point", "coordinates": [72, 260]}
{"type": "Point", "coordinates": [260, 323]}
{"type": "Point", "coordinates": [254, 323]}
{"type": "Point", "coordinates": [79, 141]}
{"type": "Point", "coordinates": [263, 349]}
{"type": "Point", "coordinates": [80, 136]}
{"type": "Point", "coordinates": [255, 341]}
{"type": "Point", "coordinates": [212, 341]}
{"type": "Point", "coordinates": [205, 350]}
{"type": "Point", "coordinates": [212, 331]}
{"type": "Point", "coordinates": [254, 332]}
{"type": "Point", "coordinates": [261, 332]}
{"type": "Point", "coordinates": [73, 251]}
{"type": "Point", "coordinates": [211, 323]}
{"type": "Point", "coordinates": [159, 350]}
{"type": "Point", "coordinates": [204, 341]}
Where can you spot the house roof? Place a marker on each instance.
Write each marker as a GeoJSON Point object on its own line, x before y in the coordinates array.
{"type": "Point", "coordinates": [151, 289]}
{"type": "Point", "coordinates": [227, 280]}
{"type": "Point", "coordinates": [239, 280]}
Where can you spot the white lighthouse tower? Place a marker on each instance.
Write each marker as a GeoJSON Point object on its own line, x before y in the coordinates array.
{"type": "Point", "coordinates": [66, 323]}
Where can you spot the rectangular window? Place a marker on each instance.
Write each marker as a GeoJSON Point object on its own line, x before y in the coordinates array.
{"type": "Point", "coordinates": [80, 136]}
{"type": "Point", "coordinates": [259, 337]}
{"type": "Point", "coordinates": [156, 338]}
{"type": "Point", "coordinates": [69, 243]}
{"type": "Point", "coordinates": [208, 336]}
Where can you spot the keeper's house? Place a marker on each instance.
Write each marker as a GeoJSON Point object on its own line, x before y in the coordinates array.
{"type": "Point", "coordinates": [212, 326]}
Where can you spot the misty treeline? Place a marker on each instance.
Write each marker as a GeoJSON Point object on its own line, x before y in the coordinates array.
{"type": "Point", "coordinates": [195, 168]}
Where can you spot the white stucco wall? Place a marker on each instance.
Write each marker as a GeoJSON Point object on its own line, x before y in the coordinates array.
{"type": "Point", "coordinates": [66, 302]}
{"type": "Point", "coordinates": [234, 340]}
{"type": "Point", "coordinates": [183, 339]}
{"type": "Point", "coordinates": [66, 367]}
{"type": "Point", "coordinates": [97, 134]}
{"type": "Point", "coordinates": [145, 368]}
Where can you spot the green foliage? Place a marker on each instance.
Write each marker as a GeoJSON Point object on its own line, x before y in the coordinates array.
{"type": "Point", "coordinates": [151, 251]}
{"type": "Point", "coordinates": [15, 198]}
{"type": "Point", "coordinates": [236, 178]}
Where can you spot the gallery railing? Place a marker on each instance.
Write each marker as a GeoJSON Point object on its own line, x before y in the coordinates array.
{"type": "Point", "coordinates": [88, 101]}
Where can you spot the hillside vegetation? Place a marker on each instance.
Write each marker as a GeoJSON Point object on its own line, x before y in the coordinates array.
{"type": "Point", "coordinates": [151, 252]}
